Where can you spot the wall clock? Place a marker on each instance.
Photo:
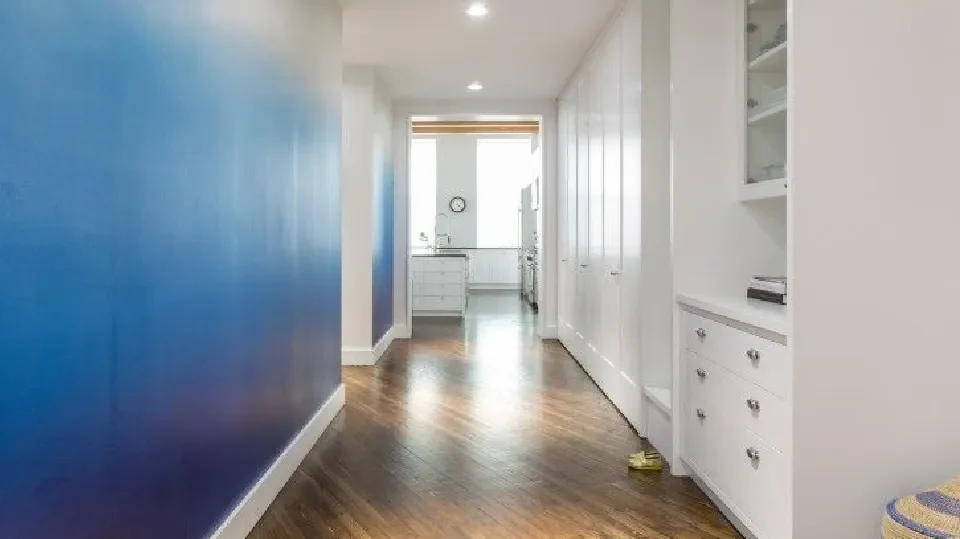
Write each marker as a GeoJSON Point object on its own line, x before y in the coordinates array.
{"type": "Point", "coordinates": [458, 204]}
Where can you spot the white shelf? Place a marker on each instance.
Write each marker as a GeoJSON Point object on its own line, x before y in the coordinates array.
{"type": "Point", "coordinates": [774, 59]}
{"type": "Point", "coordinates": [764, 190]}
{"type": "Point", "coordinates": [660, 398]}
{"type": "Point", "coordinates": [777, 112]}
{"type": "Point", "coordinates": [759, 314]}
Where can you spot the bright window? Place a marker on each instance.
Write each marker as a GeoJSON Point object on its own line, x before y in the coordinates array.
{"type": "Point", "coordinates": [423, 191]}
{"type": "Point", "coordinates": [503, 169]}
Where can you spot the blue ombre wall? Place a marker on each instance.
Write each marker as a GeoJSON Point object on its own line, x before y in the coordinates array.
{"type": "Point", "coordinates": [383, 203]}
{"type": "Point", "coordinates": [169, 259]}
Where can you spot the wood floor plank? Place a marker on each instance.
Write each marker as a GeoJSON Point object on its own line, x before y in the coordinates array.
{"type": "Point", "coordinates": [477, 429]}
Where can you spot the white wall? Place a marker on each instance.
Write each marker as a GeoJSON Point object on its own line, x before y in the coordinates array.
{"type": "Point", "coordinates": [367, 132]}
{"type": "Point", "coordinates": [874, 198]}
{"type": "Point", "coordinates": [457, 176]}
{"type": "Point", "coordinates": [356, 197]}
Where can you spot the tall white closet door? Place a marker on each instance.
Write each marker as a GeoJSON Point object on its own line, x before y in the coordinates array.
{"type": "Point", "coordinates": [581, 318]}
{"type": "Point", "coordinates": [610, 317]}
{"type": "Point", "coordinates": [571, 221]}
{"type": "Point", "coordinates": [567, 217]}
{"type": "Point", "coordinates": [630, 277]}
{"type": "Point", "coordinates": [562, 239]}
{"type": "Point", "coordinates": [595, 222]}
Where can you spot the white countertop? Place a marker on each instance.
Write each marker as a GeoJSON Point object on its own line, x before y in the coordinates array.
{"type": "Point", "coordinates": [760, 314]}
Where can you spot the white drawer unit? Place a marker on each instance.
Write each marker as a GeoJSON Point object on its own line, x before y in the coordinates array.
{"type": "Point", "coordinates": [454, 277]}
{"type": "Point", "coordinates": [434, 289]}
{"type": "Point", "coordinates": [439, 285]}
{"type": "Point", "coordinates": [736, 426]}
{"type": "Point", "coordinates": [739, 401]}
{"type": "Point", "coordinates": [760, 360]}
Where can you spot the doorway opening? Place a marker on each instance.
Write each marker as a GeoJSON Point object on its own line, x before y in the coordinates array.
{"type": "Point", "coordinates": [474, 224]}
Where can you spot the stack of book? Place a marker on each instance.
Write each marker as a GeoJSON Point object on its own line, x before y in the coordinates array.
{"type": "Point", "coordinates": [772, 289]}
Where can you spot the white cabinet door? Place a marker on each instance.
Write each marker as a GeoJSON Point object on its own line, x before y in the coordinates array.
{"type": "Point", "coordinates": [630, 297]}
{"type": "Point", "coordinates": [582, 314]}
{"type": "Point", "coordinates": [568, 215]}
{"type": "Point", "coordinates": [595, 202]}
{"type": "Point", "coordinates": [610, 296]}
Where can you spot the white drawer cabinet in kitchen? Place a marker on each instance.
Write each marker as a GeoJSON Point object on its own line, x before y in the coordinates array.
{"type": "Point", "coordinates": [439, 285]}
{"type": "Point", "coordinates": [439, 277]}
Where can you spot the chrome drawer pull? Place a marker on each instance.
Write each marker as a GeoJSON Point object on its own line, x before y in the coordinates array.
{"type": "Point", "coordinates": [702, 333]}
{"type": "Point", "coordinates": [701, 414]}
{"type": "Point", "coordinates": [753, 454]}
{"type": "Point", "coordinates": [753, 355]}
{"type": "Point", "coordinates": [702, 373]}
{"type": "Point", "coordinates": [753, 404]}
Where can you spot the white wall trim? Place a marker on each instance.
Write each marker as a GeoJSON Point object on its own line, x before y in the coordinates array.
{"type": "Point", "coordinates": [402, 331]}
{"type": "Point", "coordinates": [384, 344]}
{"type": "Point", "coordinates": [366, 357]}
{"type": "Point", "coordinates": [354, 356]}
{"type": "Point", "coordinates": [550, 332]}
{"type": "Point", "coordinates": [254, 504]}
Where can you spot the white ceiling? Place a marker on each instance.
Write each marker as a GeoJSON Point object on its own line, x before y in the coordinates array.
{"type": "Point", "coordinates": [430, 49]}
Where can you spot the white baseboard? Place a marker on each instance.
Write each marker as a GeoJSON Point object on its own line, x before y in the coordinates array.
{"type": "Point", "coordinates": [381, 347]}
{"type": "Point", "coordinates": [403, 331]}
{"type": "Point", "coordinates": [550, 332]}
{"type": "Point", "coordinates": [366, 357]}
{"type": "Point", "coordinates": [352, 356]}
{"type": "Point", "coordinates": [707, 488]}
{"type": "Point", "coordinates": [254, 504]}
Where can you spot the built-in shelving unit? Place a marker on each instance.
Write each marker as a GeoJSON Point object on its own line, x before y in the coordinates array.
{"type": "Point", "coordinates": [766, 56]}
{"type": "Point", "coordinates": [769, 189]}
{"type": "Point", "coordinates": [774, 60]}
{"type": "Point", "coordinates": [775, 112]}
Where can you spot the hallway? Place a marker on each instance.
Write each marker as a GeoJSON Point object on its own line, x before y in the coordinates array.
{"type": "Point", "coordinates": [476, 429]}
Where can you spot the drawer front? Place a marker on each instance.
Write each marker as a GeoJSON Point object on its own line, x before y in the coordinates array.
{"type": "Point", "coordinates": [438, 277]}
{"type": "Point", "coordinates": [434, 289]}
{"type": "Point", "coordinates": [694, 331]}
{"type": "Point", "coordinates": [700, 436]}
{"type": "Point", "coordinates": [438, 264]}
{"type": "Point", "coordinates": [756, 490]}
{"type": "Point", "coordinates": [707, 382]}
{"type": "Point", "coordinates": [437, 303]}
{"type": "Point", "coordinates": [763, 362]}
{"type": "Point", "coordinates": [759, 487]}
{"type": "Point", "coordinates": [763, 413]}
{"type": "Point", "coordinates": [759, 360]}
{"type": "Point", "coordinates": [739, 402]}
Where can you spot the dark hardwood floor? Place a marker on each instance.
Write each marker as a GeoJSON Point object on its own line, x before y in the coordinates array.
{"type": "Point", "coordinates": [476, 429]}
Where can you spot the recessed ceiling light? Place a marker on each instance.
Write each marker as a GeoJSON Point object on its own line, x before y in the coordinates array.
{"type": "Point", "coordinates": [475, 86]}
{"type": "Point", "coordinates": [477, 10]}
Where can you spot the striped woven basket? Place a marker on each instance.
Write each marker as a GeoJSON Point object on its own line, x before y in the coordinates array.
{"type": "Point", "coordinates": [935, 513]}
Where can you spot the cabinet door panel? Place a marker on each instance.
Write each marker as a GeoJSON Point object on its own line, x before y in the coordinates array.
{"type": "Point", "coordinates": [583, 310]}
{"type": "Point", "coordinates": [611, 200]}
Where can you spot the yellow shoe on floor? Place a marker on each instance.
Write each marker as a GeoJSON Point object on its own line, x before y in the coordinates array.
{"type": "Point", "coordinates": [649, 461]}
